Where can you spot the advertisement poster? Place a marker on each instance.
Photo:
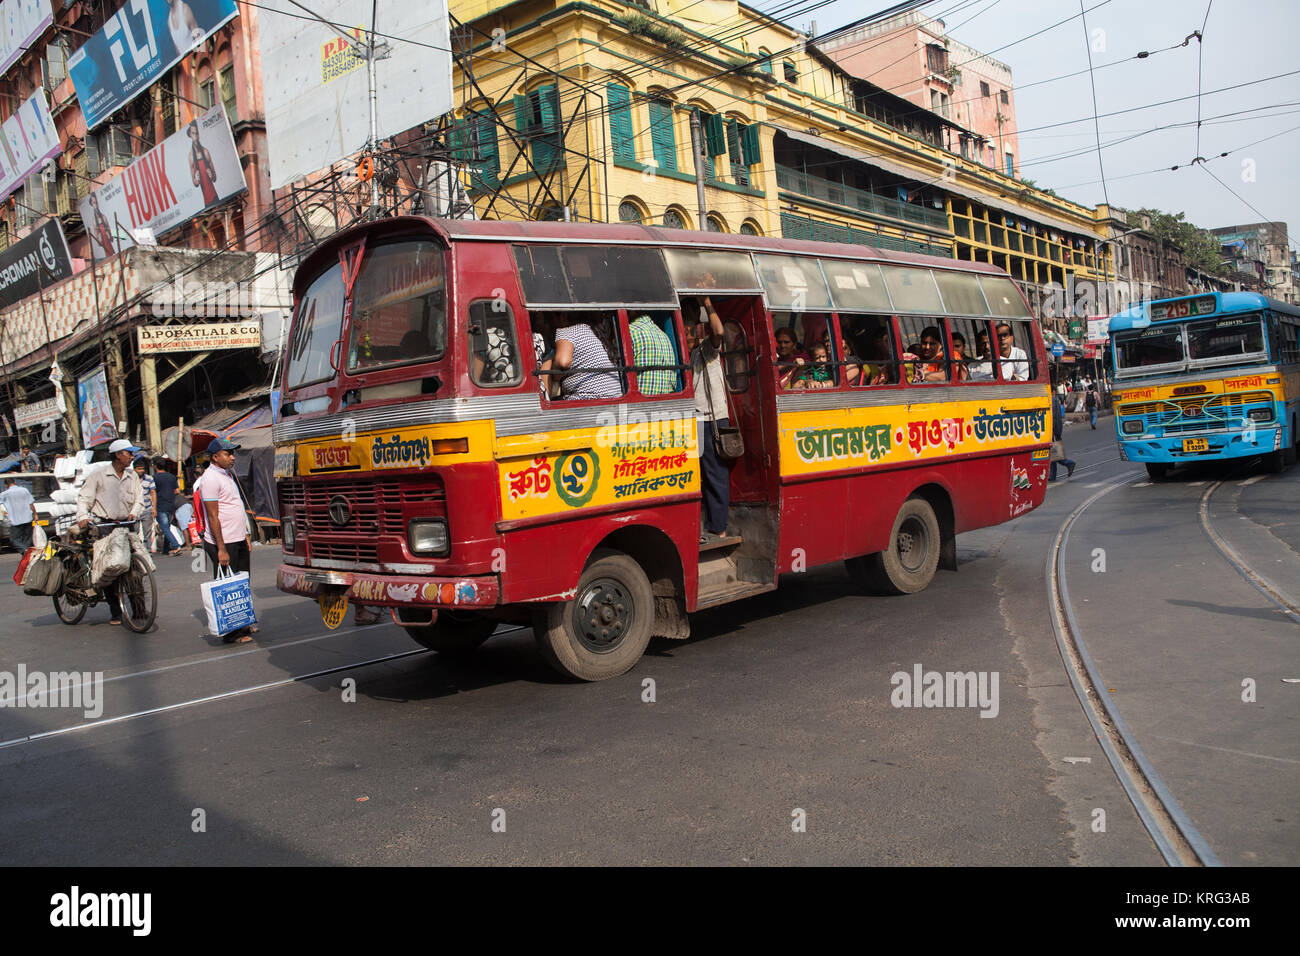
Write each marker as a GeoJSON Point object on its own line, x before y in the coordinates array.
{"type": "Point", "coordinates": [135, 46]}
{"type": "Point", "coordinates": [34, 262]}
{"type": "Point", "coordinates": [194, 168]}
{"type": "Point", "coordinates": [317, 92]}
{"type": "Point", "coordinates": [97, 425]}
{"type": "Point", "coordinates": [204, 337]}
{"type": "Point", "coordinates": [29, 140]}
{"type": "Point", "coordinates": [21, 22]}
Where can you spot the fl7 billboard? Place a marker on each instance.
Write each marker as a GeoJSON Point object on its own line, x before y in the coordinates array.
{"type": "Point", "coordinates": [135, 46]}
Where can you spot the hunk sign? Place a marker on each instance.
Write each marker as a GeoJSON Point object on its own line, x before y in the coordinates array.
{"type": "Point", "coordinates": [192, 169]}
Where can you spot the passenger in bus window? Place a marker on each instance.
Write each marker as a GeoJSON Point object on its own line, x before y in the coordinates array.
{"type": "Point", "coordinates": [579, 346]}
{"type": "Point", "coordinates": [705, 342]}
{"type": "Point", "coordinates": [959, 360]}
{"type": "Point", "coordinates": [543, 328]}
{"type": "Point", "coordinates": [492, 345]}
{"type": "Point", "coordinates": [880, 357]}
{"type": "Point", "coordinates": [651, 346]}
{"type": "Point", "coordinates": [1015, 361]}
{"type": "Point", "coordinates": [817, 373]}
{"type": "Point", "coordinates": [788, 356]}
{"type": "Point", "coordinates": [852, 364]}
{"type": "Point", "coordinates": [981, 370]}
{"type": "Point", "coordinates": [931, 367]}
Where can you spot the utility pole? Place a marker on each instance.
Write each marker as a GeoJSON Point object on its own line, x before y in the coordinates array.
{"type": "Point", "coordinates": [697, 143]}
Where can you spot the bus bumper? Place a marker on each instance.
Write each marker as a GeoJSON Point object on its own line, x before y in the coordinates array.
{"type": "Point", "coordinates": [1218, 446]}
{"type": "Point", "coordinates": [392, 590]}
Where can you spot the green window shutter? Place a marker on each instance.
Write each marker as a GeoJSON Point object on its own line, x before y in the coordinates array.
{"type": "Point", "coordinates": [715, 136]}
{"type": "Point", "coordinates": [749, 145]}
{"type": "Point", "coordinates": [765, 64]}
{"type": "Point", "coordinates": [661, 134]}
{"type": "Point", "coordinates": [459, 151]}
{"type": "Point", "coordinates": [739, 172]}
{"type": "Point", "coordinates": [489, 155]}
{"type": "Point", "coordinates": [521, 113]}
{"type": "Point", "coordinates": [546, 146]}
{"type": "Point", "coordinates": [706, 161]}
{"type": "Point", "coordinates": [620, 122]}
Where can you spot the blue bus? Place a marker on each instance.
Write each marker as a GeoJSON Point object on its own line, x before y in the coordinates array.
{"type": "Point", "coordinates": [1205, 378]}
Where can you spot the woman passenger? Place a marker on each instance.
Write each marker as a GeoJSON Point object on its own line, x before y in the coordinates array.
{"type": "Point", "coordinates": [788, 356]}
{"type": "Point", "coordinates": [580, 345]}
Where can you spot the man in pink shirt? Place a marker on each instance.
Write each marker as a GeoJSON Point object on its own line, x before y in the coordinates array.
{"type": "Point", "coordinates": [225, 539]}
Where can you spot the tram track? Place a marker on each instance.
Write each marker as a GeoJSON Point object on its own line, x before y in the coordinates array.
{"type": "Point", "coordinates": [1256, 580]}
{"type": "Point", "coordinates": [1175, 837]}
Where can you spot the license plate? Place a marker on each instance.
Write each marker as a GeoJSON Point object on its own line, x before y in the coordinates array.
{"type": "Point", "coordinates": [333, 608]}
{"type": "Point", "coordinates": [1196, 444]}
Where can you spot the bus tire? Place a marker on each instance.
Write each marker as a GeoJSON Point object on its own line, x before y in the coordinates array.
{"type": "Point", "coordinates": [453, 634]}
{"type": "Point", "coordinates": [1156, 470]}
{"type": "Point", "coordinates": [909, 563]}
{"type": "Point", "coordinates": [1290, 453]}
{"type": "Point", "coordinates": [1273, 462]}
{"type": "Point", "coordinates": [604, 630]}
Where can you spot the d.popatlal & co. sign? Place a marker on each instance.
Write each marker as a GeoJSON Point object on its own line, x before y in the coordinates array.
{"type": "Point", "coordinates": [200, 337]}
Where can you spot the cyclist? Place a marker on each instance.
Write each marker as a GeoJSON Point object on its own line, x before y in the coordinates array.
{"type": "Point", "coordinates": [112, 494]}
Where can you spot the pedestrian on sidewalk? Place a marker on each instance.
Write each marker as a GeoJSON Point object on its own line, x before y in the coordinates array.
{"type": "Point", "coordinates": [1058, 444]}
{"type": "Point", "coordinates": [165, 484]}
{"type": "Point", "coordinates": [1092, 402]}
{"type": "Point", "coordinates": [21, 508]}
{"type": "Point", "coordinates": [148, 527]}
{"type": "Point", "coordinates": [225, 537]}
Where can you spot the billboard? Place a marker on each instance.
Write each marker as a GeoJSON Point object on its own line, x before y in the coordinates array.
{"type": "Point", "coordinates": [21, 22]}
{"type": "Point", "coordinates": [194, 168]}
{"type": "Point", "coordinates": [37, 413]}
{"type": "Point", "coordinates": [29, 140]}
{"type": "Point", "coordinates": [135, 46]}
{"type": "Point", "coordinates": [34, 262]}
{"type": "Point", "coordinates": [316, 90]}
{"type": "Point", "coordinates": [97, 425]}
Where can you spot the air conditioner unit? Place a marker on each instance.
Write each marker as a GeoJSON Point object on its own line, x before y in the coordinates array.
{"type": "Point", "coordinates": [49, 173]}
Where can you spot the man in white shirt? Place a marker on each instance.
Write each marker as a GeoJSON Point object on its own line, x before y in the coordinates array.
{"type": "Point", "coordinates": [1015, 361]}
{"type": "Point", "coordinates": [112, 494]}
{"type": "Point", "coordinates": [21, 509]}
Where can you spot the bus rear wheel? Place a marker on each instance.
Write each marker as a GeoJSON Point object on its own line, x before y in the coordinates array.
{"type": "Point", "coordinates": [1156, 471]}
{"type": "Point", "coordinates": [909, 563]}
{"type": "Point", "coordinates": [453, 634]}
{"type": "Point", "coordinates": [604, 630]}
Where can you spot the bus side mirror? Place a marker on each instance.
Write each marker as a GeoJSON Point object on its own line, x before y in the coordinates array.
{"type": "Point", "coordinates": [336, 354]}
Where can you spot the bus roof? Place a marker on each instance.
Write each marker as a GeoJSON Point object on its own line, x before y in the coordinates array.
{"type": "Point", "coordinates": [1139, 316]}
{"type": "Point", "coordinates": [472, 230]}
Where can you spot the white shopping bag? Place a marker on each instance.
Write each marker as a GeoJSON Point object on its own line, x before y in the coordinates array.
{"type": "Point", "coordinates": [39, 540]}
{"type": "Point", "coordinates": [228, 601]}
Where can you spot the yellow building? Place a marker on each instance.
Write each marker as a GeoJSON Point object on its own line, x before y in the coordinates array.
{"type": "Point", "coordinates": [585, 110]}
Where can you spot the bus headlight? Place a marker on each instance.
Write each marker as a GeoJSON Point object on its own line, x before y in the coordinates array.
{"type": "Point", "coordinates": [1133, 427]}
{"type": "Point", "coordinates": [1261, 414]}
{"type": "Point", "coordinates": [288, 534]}
{"type": "Point", "coordinates": [427, 536]}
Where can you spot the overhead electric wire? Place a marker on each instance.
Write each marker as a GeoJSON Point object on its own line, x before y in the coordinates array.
{"type": "Point", "coordinates": [1096, 123]}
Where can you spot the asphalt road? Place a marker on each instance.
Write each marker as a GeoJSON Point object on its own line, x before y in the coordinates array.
{"type": "Point", "coordinates": [776, 713]}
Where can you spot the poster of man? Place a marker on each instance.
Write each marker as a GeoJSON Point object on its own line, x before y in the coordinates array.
{"type": "Point", "coordinates": [97, 423]}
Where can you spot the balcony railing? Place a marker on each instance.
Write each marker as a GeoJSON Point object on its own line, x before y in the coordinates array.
{"type": "Point", "coordinates": [858, 199]}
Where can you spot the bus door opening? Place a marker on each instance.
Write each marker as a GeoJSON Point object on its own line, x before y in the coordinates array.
{"type": "Point", "coordinates": [741, 349]}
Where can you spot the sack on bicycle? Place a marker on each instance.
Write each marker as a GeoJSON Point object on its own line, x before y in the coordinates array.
{"type": "Point", "coordinates": [44, 574]}
{"type": "Point", "coordinates": [110, 557]}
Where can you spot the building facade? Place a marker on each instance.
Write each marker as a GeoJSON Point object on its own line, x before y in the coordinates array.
{"type": "Point", "coordinates": [585, 110]}
{"type": "Point", "coordinates": [1262, 251]}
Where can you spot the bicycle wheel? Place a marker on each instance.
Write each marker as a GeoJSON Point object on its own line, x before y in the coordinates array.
{"type": "Point", "coordinates": [138, 593]}
{"type": "Point", "coordinates": [68, 603]}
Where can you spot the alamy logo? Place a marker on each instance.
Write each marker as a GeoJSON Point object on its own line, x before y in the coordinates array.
{"type": "Point", "coordinates": [949, 689]}
{"type": "Point", "coordinates": [75, 909]}
{"type": "Point", "coordinates": [77, 690]}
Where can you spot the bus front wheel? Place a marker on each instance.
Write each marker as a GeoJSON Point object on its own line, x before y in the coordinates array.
{"type": "Point", "coordinates": [909, 563]}
{"type": "Point", "coordinates": [1156, 470]}
{"type": "Point", "coordinates": [604, 630]}
{"type": "Point", "coordinates": [453, 634]}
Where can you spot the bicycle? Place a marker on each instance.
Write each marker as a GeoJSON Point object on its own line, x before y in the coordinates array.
{"type": "Point", "coordinates": [137, 591]}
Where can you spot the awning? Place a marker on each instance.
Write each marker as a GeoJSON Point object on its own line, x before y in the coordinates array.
{"type": "Point", "coordinates": [1005, 205]}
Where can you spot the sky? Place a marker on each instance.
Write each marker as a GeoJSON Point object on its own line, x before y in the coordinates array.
{"type": "Point", "coordinates": [1244, 40]}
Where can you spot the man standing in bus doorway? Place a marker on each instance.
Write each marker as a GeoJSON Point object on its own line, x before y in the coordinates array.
{"type": "Point", "coordinates": [710, 411]}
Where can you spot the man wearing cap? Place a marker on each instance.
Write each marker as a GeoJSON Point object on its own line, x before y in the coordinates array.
{"type": "Point", "coordinates": [112, 494]}
{"type": "Point", "coordinates": [225, 537]}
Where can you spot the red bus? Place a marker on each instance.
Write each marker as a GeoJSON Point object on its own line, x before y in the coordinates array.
{"type": "Point", "coordinates": [426, 465]}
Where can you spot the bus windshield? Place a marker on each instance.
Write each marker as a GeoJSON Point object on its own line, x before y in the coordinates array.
{"type": "Point", "coordinates": [1161, 345]}
{"type": "Point", "coordinates": [399, 312]}
{"type": "Point", "coordinates": [316, 328]}
{"type": "Point", "coordinates": [1226, 338]}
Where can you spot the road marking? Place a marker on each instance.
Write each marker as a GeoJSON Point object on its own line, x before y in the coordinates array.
{"type": "Point", "coordinates": [1227, 750]}
{"type": "Point", "coordinates": [1077, 759]}
{"type": "Point", "coordinates": [1251, 481]}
